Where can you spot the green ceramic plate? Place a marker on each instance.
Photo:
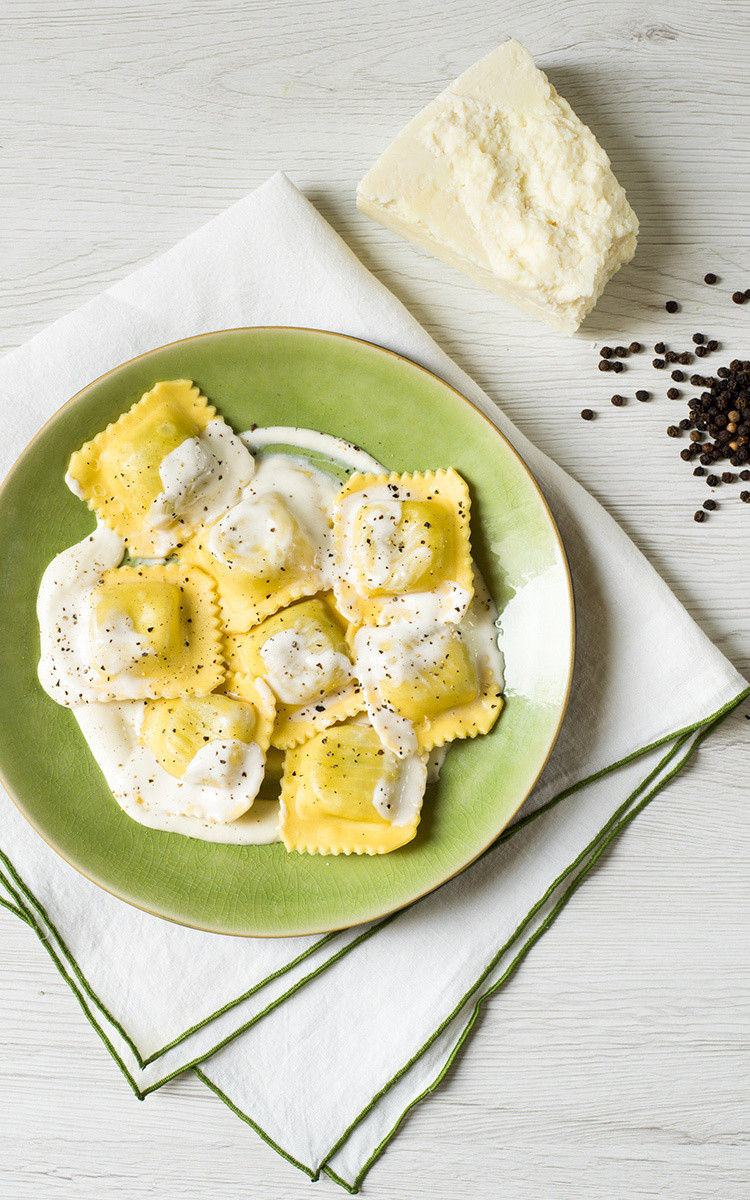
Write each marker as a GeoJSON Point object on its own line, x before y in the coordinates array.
{"type": "Point", "coordinates": [409, 420]}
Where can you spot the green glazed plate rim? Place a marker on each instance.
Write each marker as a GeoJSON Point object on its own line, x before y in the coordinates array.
{"type": "Point", "coordinates": [409, 419]}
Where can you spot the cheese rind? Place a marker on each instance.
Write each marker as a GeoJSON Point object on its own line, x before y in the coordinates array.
{"type": "Point", "coordinates": [499, 178]}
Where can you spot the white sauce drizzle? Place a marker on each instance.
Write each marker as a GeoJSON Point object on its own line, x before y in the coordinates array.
{"type": "Point", "coordinates": [223, 778]}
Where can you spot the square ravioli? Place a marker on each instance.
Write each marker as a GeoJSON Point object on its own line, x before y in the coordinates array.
{"type": "Point", "coordinates": [154, 631]}
{"type": "Point", "coordinates": [165, 466]}
{"type": "Point", "coordinates": [302, 654]}
{"type": "Point", "coordinates": [399, 537]}
{"type": "Point", "coordinates": [260, 558]}
{"type": "Point", "coordinates": [342, 793]}
{"type": "Point", "coordinates": [428, 686]}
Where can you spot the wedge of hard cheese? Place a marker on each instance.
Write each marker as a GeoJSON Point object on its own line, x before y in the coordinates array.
{"type": "Point", "coordinates": [499, 178]}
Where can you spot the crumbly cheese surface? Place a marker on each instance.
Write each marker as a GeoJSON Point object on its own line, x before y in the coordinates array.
{"type": "Point", "coordinates": [499, 177]}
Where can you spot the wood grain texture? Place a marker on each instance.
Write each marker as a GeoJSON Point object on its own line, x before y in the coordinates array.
{"type": "Point", "coordinates": [614, 1065]}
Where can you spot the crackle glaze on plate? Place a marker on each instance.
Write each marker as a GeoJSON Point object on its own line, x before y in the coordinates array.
{"type": "Point", "coordinates": [410, 421]}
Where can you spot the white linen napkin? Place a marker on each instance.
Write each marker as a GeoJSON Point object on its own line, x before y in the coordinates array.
{"type": "Point", "coordinates": [328, 1041]}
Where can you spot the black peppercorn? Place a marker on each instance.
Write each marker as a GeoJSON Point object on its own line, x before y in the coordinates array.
{"type": "Point", "coordinates": [621, 351]}
{"type": "Point", "coordinates": [710, 278]}
{"type": "Point", "coordinates": [673, 431]}
{"type": "Point", "coordinates": [635, 347]}
{"type": "Point", "coordinates": [745, 497]}
{"type": "Point", "coordinates": [699, 471]}
{"type": "Point", "coordinates": [606, 352]}
{"type": "Point", "coordinates": [674, 393]}
{"type": "Point", "coordinates": [659, 363]}
{"type": "Point", "coordinates": [739, 297]}
{"type": "Point", "coordinates": [712, 345]}
{"type": "Point", "coordinates": [699, 338]}
{"type": "Point", "coordinates": [701, 351]}
{"type": "Point", "coordinates": [642, 395]}
{"type": "Point", "coordinates": [604, 364]}
{"type": "Point", "coordinates": [678, 376]}
{"type": "Point", "coordinates": [713, 480]}
{"type": "Point", "coordinates": [671, 306]}
{"type": "Point", "coordinates": [618, 401]}
{"type": "Point", "coordinates": [587, 414]}
{"type": "Point", "coordinates": [710, 504]}
{"type": "Point", "coordinates": [616, 366]}
{"type": "Point", "coordinates": [699, 515]}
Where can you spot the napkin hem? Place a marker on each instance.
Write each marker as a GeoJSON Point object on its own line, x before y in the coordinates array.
{"type": "Point", "coordinates": [595, 849]}
{"type": "Point", "coordinates": [84, 992]}
{"type": "Point", "coordinates": [586, 861]}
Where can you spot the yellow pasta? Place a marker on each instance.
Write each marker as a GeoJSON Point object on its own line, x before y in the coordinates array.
{"type": "Point", "coordinates": [453, 698]}
{"type": "Point", "coordinates": [303, 655]}
{"type": "Point", "coordinates": [175, 730]}
{"type": "Point", "coordinates": [328, 794]}
{"type": "Point", "coordinates": [260, 559]}
{"type": "Point", "coordinates": [397, 535]}
{"type": "Point", "coordinates": [117, 472]}
{"type": "Point", "coordinates": [154, 632]}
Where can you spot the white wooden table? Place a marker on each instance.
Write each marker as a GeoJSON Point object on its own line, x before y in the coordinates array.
{"type": "Point", "coordinates": [612, 1065]}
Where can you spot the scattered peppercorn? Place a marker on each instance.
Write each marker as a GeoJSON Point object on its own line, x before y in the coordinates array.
{"type": "Point", "coordinates": [699, 338]}
{"type": "Point", "coordinates": [699, 515]}
{"type": "Point", "coordinates": [728, 477]}
{"type": "Point", "coordinates": [659, 363]}
{"type": "Point", "coordinates": [674, 393]}
{"type": "Point", "coordinates": [642, 395]}
{"type": "Point", "coordinates": [587, 414]}
{"type": "Point", "coordinates": [621, 352]}
{"type": "Point", "coordinates": [739, 297]}
{"type": "Point", "coordinates": [673, 431]}
{"type": "Point", "coordinates": [618, 401]}
{"type": "Point", "coordinates": [710, 505]}
{"type": "Point", "coordinates": [671, 356]}
{"type": "Point", "coordinates": [635, 347]}
{"type": "Point", "coordinates": [713, 345]}
{"type": "Point", "coordinates": [687, 453]}
{"type": "Point", "coordinates": [605, 352]}
{"type": "Point", "coordinates": [604, 364]}
{"type": "Point", "coordinates": [660, 347]}
{"type": "Point", "coordinates": [616, 366]}
{"type": "Point", "coordinates": [745, 497]}
{"type": "Point", "coordinates": [699, 471]}
{"type": "Point", "coordinates": [744, 476]}
{"type": "Point", "coordinates": [678, 376]}
{"type": "Point", "coordinates": [701, 351]}
{"type": "Point", "coordinates": [710, 278]}
{"type": "Point", "coordinates": [685, 423]}
{"type": "Point", "coordinates": [672, 306]}
{"type": "Point", "coordinates": [713, 480]}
